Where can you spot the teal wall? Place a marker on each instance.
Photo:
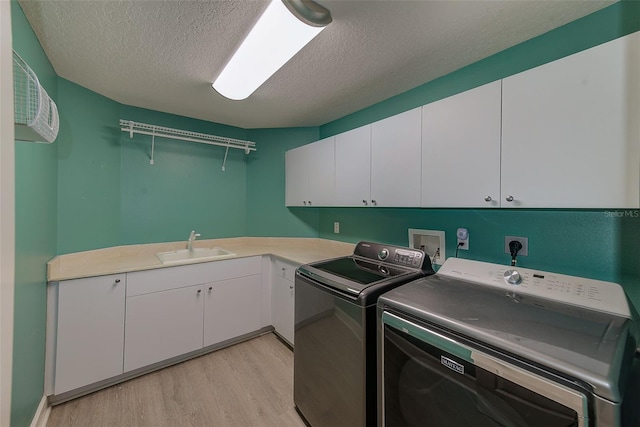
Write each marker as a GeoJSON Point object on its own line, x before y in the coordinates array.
{"type": "Point", "coordinates": [36, 170]}
{"type": "Point", "coordinates": [88, 169]}
{"type": "Point", "coordinates": [266, 212]}
{"type": "Point", "coordinates": [110, 195]}
{"type": "Point", "coordinates": [595, 244]}
{"type": "Point", "coordinates": [186, 188]}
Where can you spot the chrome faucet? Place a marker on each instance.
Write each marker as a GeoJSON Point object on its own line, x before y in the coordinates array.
{"type": "Point", "coordinates": [192, 238]}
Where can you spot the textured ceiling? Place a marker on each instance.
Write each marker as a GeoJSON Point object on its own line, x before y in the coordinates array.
{"type": "Point", "coordinates": [163, 55]}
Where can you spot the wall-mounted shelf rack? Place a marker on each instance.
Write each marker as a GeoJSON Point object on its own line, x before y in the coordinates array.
{"type": "Point", "coordinates": [35, 114]}
{"type": "Point", "coordinates": [183, 135]}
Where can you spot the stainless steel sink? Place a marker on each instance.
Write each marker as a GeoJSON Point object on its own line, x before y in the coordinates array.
{"type": "Point", "coordinates": [191, 254]}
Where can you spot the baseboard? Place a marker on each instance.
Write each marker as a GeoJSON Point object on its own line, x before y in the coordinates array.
{"type": "Point", "coordinates": [42, 414]}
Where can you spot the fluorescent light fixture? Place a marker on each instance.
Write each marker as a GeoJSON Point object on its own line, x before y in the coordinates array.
{"type": "Point", "coordinates": [285, 27]}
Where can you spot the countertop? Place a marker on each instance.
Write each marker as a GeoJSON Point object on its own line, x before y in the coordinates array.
{"type": "Point", "coordinates": [122, 259]}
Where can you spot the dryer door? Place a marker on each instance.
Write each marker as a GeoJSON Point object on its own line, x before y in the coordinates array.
{"type": "Point", "coordinates": [429, 379]}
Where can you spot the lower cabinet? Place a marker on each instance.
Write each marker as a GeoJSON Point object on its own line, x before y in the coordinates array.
{"type": "Point", "coordinates": [162, 325]}
{"type": "Point", "coordinates": [282, 299]}
{"type": "Point", "coordinates": [103, 327]}
{"type": "Point", "coordinates": [89, 331]}
{"type": "Point", "coordinates": [232, 308]}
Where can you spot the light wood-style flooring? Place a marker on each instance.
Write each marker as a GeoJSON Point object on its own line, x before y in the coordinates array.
{"type": "Point", "coordinates": [248, 384]}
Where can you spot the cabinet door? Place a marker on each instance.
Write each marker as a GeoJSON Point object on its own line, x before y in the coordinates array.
{"type": "Point", "coordinates": [163, 325]}
{"type": "Point", "coordinates": [232, 308]}
{"type": "Point", "coordinates": [321, 166]}
{"type": "Point", "coordinates": [396, 160]}
{"type": "Point", "coordinates": [90, 331]}
{"type": "Point", "coordinates": [461, 149]}
{"type": "Point", "coordinates": [353, 167]}
{"type": "Point", "coordinates": [570, 130]}
{"type": "Point", "coordinates": [296, 177]}
{"type": "Point", "coordinates": [283, 297]}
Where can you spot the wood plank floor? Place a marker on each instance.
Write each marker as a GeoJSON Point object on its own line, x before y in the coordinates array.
{"type": "Point", "coordinates": [248, 384]}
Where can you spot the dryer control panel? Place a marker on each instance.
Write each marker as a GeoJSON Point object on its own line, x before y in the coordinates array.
{"type": "Point", "coordinates": [598, 295]}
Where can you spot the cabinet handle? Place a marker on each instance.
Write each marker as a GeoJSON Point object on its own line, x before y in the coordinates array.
{"type": "Point", "coordinates": [364, 202]}
{"type": "Point", "coordinates": [210, 288]}
{"type": "Point", "coordinates": [305, 202]}
{"type": "Point", "coordinates": [199, 290]}
{"type": "Point", "coordinates": [290, 286]}
{"type": "Point", "coordinates": [309, 202]}
{"type": "Point", "coordinates": [284, 269]}
{"type": "Point", "coordinates": [488, 199]}
{"type": "Point", "coordinates": [117, 280]}
{"type": "Point", "coordinates": [509, 198]}
{"type": "Point", "coordinates": [373, 202]}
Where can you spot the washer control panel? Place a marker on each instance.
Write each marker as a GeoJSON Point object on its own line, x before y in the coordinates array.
{"type": "Point", "coordinates": [598, 295]}
{"type": "Point", "coordinates": [395, 255]}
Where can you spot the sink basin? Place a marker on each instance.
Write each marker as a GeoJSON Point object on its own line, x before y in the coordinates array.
{"type": "Point", "coordinates": [195, 253]}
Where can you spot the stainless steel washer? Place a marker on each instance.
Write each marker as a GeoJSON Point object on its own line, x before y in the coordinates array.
{"type": "Point", "coordinates": [486, 345]}
{"type": "Point", "coordinates": [335, 331]}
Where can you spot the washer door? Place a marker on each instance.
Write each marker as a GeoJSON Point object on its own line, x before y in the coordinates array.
{"type": "Point", "coordinates": [431, 380]}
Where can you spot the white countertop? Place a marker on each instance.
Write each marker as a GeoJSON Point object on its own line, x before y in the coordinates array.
{"type": "Point", "coordinates": [122, 259]}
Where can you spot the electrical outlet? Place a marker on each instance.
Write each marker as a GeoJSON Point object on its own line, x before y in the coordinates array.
{"type": "Point", "coordinates": [523, 240]}
{"type": "Point", "coordinates": [463, 238]}
{"type": "Point", "coordinates": [336, 227]}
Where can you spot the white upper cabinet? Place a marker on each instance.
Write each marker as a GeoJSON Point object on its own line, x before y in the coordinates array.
{"type": "Point", "coordinates": [309, 173]}
{"type": "Point", "coordinates": [296, 177]}
{"type": "Point", "coordinates": [571, 128]}
{"type": "Point", "coordinates": [321, 172]}
{"type": "Point", "coordinates": [353, 167]}
{"type": "Point", "coordinates": [461, 149]}
{"type": "Point", "coordinates": [396, 160]}
{"type": "Point", "coordinates": [562, 135]}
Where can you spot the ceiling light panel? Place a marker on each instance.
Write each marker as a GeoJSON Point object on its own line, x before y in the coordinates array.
{"type": "Point", "coordinates": [274, 40]}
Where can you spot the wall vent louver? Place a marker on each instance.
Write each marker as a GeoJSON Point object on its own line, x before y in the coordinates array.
{"type": "Point", "coordinates": [36, 115]}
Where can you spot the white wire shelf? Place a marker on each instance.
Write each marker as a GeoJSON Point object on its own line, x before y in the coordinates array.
{"type": "Point", "coordinates": [35, 114]}
{"type": "Point", "coordinates": [183, 135]}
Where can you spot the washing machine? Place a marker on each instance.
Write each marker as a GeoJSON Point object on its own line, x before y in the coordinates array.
{"type": "Point", "coordinates": [481, 344]}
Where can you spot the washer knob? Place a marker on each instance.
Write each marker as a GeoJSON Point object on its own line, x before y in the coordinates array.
{"type": "Point", "coordinates": [512, 277]}
{"type": "Point", "coordinates": [383, 254]}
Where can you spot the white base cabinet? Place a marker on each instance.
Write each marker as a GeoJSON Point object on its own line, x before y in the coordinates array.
{"type": "Point", "coordinates": [232, 308]}
{"type": "Point", "coordinates": [282, 299]}
{"type": "Point", "coordinates": [162, 325]}
{"type": "Point", "coordinates": [181, 309]}
{"type": "Point", "coordinates": [89, 331]}
{"type": "Point", "coordinates": [104, 328]}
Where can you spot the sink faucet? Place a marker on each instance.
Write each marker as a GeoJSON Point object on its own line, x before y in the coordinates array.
{"type": "Point", "coordinates": [192, 238]}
